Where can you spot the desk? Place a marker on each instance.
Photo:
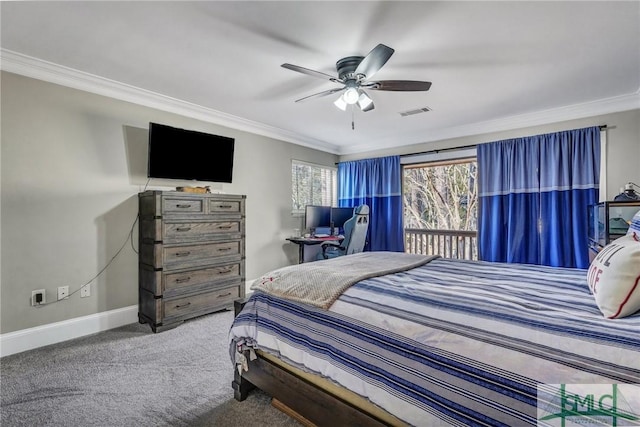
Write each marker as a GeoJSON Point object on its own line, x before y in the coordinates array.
{"type": "Point", "coordinates": [304, 241]}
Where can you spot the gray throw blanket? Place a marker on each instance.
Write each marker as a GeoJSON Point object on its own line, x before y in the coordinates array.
{"type": "Point", "coordinates": [320, 283]}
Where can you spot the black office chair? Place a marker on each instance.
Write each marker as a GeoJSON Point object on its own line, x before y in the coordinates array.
{"type": "Point", "coordinates": [355, 236]}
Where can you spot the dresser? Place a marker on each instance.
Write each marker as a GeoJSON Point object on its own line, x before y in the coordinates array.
{"type": "Point", "coordinates": [191, 257]}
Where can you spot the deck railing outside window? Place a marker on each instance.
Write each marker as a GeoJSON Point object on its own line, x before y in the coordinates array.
{"type": "Point", "coordinates": [458, 244]}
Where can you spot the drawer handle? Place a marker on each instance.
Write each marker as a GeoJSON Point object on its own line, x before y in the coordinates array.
{"type": "Point", "coordinates": [224, 249]}
{"type": "Point", "coordinates": [179, 254]}
{"type": "Point", "coordinates": [183, 279]}
{"type": "Point", "coordinates": [183, 228]}
{"type": "Point", "coordinates": [228, 270]}
{"type": "Point", "coordinates": [183, 206]}
{"type": "Point", "coordinates": [178, 306]}
{"type": "Point", "coordinates": [224, 295]}
{"type": "Point", "coordinates": [224, 227]}
{"type": "Point", "coordinates": [225, 206]}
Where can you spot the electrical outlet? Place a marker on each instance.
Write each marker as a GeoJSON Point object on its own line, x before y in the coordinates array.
{"type": "Point", "coordinates": [85, 291]}
{"type": "Point", "coordinates": [63, 292]}
{"type": "Point", "coordinates": [38, 297]}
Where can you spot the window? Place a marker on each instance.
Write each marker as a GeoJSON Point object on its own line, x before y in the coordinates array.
{"type": "Point", "coordinates": [441, 196]}
{"type": "Point", "coordinates": [440, 208]}
{"type": "Point", "coordinates": [312, 185]}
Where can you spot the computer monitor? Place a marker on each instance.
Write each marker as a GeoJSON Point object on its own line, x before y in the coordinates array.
{"type": "Point", "coordinates": [317, 216]}
{"type": "Point", "coordinates": [339, 216]}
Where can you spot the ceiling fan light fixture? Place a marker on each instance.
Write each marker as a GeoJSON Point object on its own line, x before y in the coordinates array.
{"type": "Point", "coordinates": [364, 101]}
{"type": "Point", "coordinates": [351, 96]}
{"type": "Point", "coordinates": [340, 103]}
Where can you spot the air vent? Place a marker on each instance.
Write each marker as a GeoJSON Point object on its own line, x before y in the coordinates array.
{"type": "Point", "coordinates": [416, 111]}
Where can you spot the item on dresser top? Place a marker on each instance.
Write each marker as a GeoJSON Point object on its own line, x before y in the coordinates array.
{"type": "Point", "coordinates": [198, 190]}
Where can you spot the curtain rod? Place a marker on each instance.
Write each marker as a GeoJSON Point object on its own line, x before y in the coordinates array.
{"type": "Point", "coordinates": [463, 147]}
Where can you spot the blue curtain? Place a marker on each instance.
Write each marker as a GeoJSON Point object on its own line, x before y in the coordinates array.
{"type": "Point", "coordinates": [533, 197]}
{"type": "Point", "coordinates": [377, 183]}
{"type": "Point", "coordinates": [508, 201]}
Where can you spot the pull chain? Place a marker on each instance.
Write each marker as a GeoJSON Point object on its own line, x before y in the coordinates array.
{"type": "Point", "coordinates": [353, 125]}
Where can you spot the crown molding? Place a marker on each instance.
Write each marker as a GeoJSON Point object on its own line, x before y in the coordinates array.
{"type": "Point", "coordinates": [555, 115]}
{"type": "Point", "coordinates": [28, 66]}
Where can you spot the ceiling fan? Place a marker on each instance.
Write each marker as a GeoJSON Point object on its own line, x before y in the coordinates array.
{"type": "Point", "coordinates": [354, 74]}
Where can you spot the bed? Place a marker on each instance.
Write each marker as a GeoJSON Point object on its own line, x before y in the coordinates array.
{"type": "Point", "coordinates": [433, 342]}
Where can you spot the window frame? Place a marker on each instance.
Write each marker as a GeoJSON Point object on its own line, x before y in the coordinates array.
{"type": "Point", "coordinates": [332, 198]}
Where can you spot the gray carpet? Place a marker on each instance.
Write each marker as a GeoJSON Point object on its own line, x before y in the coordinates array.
{"type": "Point", "coordinates": [132, 377]}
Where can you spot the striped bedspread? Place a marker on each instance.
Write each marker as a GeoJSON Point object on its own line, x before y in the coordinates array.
{"type": "Point", "coordinates": [452, 342]}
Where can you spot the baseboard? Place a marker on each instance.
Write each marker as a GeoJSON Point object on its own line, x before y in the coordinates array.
{"type": "Point", "coordinates": [52, 333]}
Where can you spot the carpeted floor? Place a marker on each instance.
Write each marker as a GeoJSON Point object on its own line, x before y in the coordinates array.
{"type": "Point", "coordinates": [132, 377]}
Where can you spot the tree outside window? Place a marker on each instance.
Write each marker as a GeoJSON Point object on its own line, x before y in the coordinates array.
{"type": "Point", "coordinates": [441, 198]}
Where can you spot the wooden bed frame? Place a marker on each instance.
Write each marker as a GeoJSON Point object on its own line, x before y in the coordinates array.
{"type": "Point", "coordinates": [297, 397]}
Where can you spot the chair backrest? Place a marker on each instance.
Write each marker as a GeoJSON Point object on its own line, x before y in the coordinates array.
{"type": "Point", "coordinates": [355, 230]}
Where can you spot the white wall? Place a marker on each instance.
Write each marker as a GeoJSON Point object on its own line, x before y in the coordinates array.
{"type": "Point", "coordinates": [72, 164]}
{"type": "Point", "coordinates": [623, 144]}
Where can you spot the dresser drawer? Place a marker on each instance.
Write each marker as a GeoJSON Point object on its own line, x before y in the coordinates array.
{"type": "Point", "coordinates": [161, 284]}
{"type": "Point", "coordinates": [225, 206]}
{"type": "Point", "coordinates": [174, 283]}
{"type": "Point", "coordinates": [185, 256]}
{"type": "Point", "coordinates": [204, 302]}
{"type": "Point", "coordinates": [172, 205]}
{"type": "Point", "coordinates": [175, 232]}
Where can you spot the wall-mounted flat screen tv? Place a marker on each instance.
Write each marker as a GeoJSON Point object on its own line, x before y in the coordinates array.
{"type": "Point", "coordinates": [190, 155]}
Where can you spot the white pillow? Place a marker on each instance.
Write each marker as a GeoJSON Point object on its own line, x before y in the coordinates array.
{"type": "Point", "coordinates": [614, 277]}
{"type": "Point", "coordinates": [635, 225]}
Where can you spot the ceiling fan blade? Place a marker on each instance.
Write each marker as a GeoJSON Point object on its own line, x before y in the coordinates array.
{"type": "Point", "coordinates": [321, 94]}
{"type": "Point", "coordinates": [374, 60]}
{"type": "Point", "coordinates": [398, 85]}
{"type": "Point", "coordinates": [311, 72]}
